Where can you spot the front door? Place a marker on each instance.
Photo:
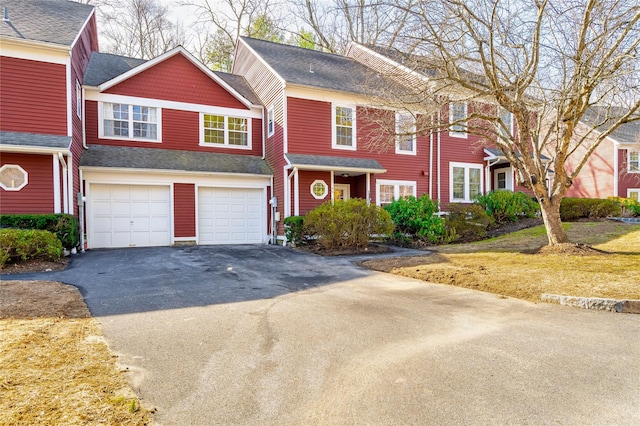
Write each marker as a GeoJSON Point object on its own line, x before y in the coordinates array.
{"type": "Point", "coordinates": [503, 179]}
{"type": "Point", "coordinates": [341, 191]}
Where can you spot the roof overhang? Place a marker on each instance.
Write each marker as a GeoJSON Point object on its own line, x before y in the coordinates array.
{"type": "Point", "coordinates": [338, 165]}
{"type": "Point", "coordinates": [34, 143]}
{"type": "Point", "coordinates": [492, 154]}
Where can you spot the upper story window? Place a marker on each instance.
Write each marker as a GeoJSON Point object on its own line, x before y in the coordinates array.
{"type": "Point", "coordinates": [344, 127]}
{"type": "Point", "coordinates": [13, 177]}
{"type": "Point", "coordinates": [505, 130]}
{"type": "Point", "coordinates": [124, 121]}
{"type": "Point", "coordinates": [389, 190]}
{"type": "Point", "coordinates": [634, 162]}
{"type": "Point", "coordinates": [465, 182]}
{"type": "Point", "coordinates": [405, 134]}
{"type": "Point", "coordinates": [271, 125]}
{"type": "Point", "coordinates": [224, 131]}
{"type": "Point", "coordinates": [78, 99]}
{"type": "Point", "coordinates": [458, 115]}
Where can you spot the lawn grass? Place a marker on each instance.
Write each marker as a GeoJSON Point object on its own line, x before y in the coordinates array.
{"type": "Point", "coordinates": [508, 266]}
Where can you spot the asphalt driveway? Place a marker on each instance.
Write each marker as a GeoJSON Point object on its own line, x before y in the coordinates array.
{"type": "Point", "coordinates": [266, 335]}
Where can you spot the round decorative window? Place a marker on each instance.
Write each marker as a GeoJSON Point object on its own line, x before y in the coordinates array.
{"type": "Point", "coordinates": [12, 177]}
{"type": "Point", "coordinates": [319, 189]}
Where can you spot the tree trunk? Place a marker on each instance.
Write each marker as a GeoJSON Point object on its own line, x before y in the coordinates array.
{"type": "Point", "coordinates": [550, 209]}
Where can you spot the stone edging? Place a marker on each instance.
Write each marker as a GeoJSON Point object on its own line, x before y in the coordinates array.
{"type": "Point", "coordinates": [594, 303]}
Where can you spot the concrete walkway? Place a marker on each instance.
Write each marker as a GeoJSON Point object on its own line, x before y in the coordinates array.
{"type": "Point", "coordinates": [265, 335]}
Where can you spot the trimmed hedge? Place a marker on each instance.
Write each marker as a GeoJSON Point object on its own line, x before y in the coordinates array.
{"type": "Point", "coordinates": [592, 208]}
{"type": "Point", "coordinates": [294, 230]}
{"type": "Point", "coordinates": [508, 206]}
{"type": "Point", "coordinates": [65, 226]}
{"type": "Point", "coordinates": [347, 224]}
{"type": "Point", "coordinates": [26, 244]}
{"type": "Point", "coordinates": [416, 218]}
{"type": "Point", "coordinates": [467, 222]}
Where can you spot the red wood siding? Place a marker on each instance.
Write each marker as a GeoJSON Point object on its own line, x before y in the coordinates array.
{"type": "Point", "coordinates": [180, 131]}
{"type": "Point", "coordinates": [37, 196]}
{"type": "Point", "coordinates": [307, 201]}
{"type": "Point", "coordinates": [177, 79]}
{"type": "Point", "coordinates": [626, 180]}
{"type": "Point", "coordinates": [184, 210]}
{"type": "Point", "coordinates": [33, 97]}
{"type": "Point", "coordinates": [309, 128]}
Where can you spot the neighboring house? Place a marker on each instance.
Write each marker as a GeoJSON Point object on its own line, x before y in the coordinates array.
{"type": "Point", "coordinates": [614, 167]}
{"type": "Point", "coordinates": [45, 48]}
{"type": "Point", "coordinates": [317, 130]}
{"type": "Point", "coordinates": [463, 165]}
{"type": "Point", "coordinates": [174, 154]}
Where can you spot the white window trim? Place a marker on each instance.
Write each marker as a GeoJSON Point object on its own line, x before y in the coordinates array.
{"type": "Point", "coordinates": [24, 172]}
{"type": "Point", "coordinates": [271, 122]}
{"type": "Point", "coordinates": [226, 133]}
{"type": "Point", "coordinates": [101, 134]}
{"type": "Point", "coordinates": [458, 134]}
{"type": "Point", "coordinates": [414, 139]}
{"type": "Point", "coordinates": [396, 187]}
{"type": "Point", "coordinates": [78, 99]}
{"type": "Point", "coordinates": [629, 151]}
{"type": "Point", "coordinates": [511, 127]}
{"type": "Point", "coordinates": [354, 138]}
{"type": "Point", "coordinates": [326, 189]}
{"type": "Point", "coordinates": [630, 190]}
{"type": "Point", "coordinates": [466, 166]}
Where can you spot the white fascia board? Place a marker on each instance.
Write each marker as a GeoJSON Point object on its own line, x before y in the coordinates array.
{"type": "Point", "coordinates": [93, 95]}
{"type": "Point", "coordinates": [119, 176]}
{"type": "Point", "coordinates": [326, 95]}
{"type": "Point", "coordinates": [337, 168]}
{"type": "Point", "coordinates": [75, 40]}
{"type": "Point", "coordinates": [175, 51]}
{"type": "Point", "coordinates": [34, 50]}
{"type": "Point", "coordinates": [26, 149]}
{"type": "Point", "coordinates": [262, 61]}
{"type": "Point", "coordinates": [87, 170]}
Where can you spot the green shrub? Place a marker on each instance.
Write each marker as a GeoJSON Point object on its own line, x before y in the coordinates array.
{"type": "Point", "coordinates": [347, 224]}
{"type": "Point", "coordinates": [294, 230]}
{"type": "Point", "coordinates": [592, 208]}
{"type": "Point", "coordinates": [65, 226]}
{"type": "Point", "coordinates": [416, 218]}
{"type": "Point", "coordinates": [26, 244]}
{"type": "Point", "coordinates": [467, 222]}
{"type": "Point", "coordinates": [508, 206]}
{"type": "Point", "coordinates": [629, 207]}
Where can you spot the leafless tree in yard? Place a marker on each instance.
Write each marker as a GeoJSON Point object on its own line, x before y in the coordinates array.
{"type": "Point", "coordinates": [138, 28]}
{"type": "Point", "coordinates": [548, 62]}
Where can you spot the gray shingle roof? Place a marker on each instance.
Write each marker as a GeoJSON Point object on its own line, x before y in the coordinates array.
{"type": "Point", "coordinates": [53, 21]}
{"type": "Point", "coordinates": [168, 159]}
{"type": "Point", "coordinates": [35, 140]}
{"type": "Point", "coordinates": [312, 68]}
{"type": "Point", "coordinates": [335, 163]}
{"type": "Point", "coordinates": [628, 133]}
{"type": "Point", "coordinates": [105, 66]}
{"type": "Point", "coordinates": [239, 83]}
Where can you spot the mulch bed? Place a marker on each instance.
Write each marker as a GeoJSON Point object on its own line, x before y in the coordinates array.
{"type": "Point", "coordinates": [34, 265]}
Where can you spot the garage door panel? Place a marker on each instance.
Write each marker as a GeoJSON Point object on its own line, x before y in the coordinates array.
{"type": "Point", "coordinates": [230, 216]}
{"type": "Point", "coordinates": [130, 215]}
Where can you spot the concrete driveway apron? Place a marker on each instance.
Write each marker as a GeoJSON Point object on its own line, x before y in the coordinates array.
{"type": "Point", "coordinates": [266, 335]}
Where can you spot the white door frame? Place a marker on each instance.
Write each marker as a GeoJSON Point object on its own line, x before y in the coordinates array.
{"type": "Point", "coordinates": [508, 171]}
{"type": "Point", "coordinates": [345, 187]}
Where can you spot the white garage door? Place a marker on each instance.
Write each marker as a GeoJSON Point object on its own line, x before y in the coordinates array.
{"type": "Point", "coordinates": [230, 216]}
{"type": "Point", "coordinates": [129, 216]}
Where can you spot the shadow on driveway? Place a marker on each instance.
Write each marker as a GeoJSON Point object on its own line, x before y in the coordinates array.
{"type": "Point", "coordinates": [123, 281]}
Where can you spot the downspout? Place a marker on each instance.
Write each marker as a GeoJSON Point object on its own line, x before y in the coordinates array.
{"type": "Point", "coordinates": [65, 184]}
{"type": "Point", "coordinates": [431, 164]}
{"type": "Point", "coordinates": [84, 125]}
{"type": "Point", "coordinates": [296, 192]}
{"type": "Point", "coordinates": [439, 177]}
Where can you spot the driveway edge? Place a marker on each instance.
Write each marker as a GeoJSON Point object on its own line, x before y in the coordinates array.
{"type": "Point", "coordinates": [595, 303]}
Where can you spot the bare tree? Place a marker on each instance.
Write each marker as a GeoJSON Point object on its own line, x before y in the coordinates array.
{"type": "Point", "coordinates": [139, 28]}
{"type": "Point", "coordinates": [335, 23]}
{"type": "Point", "coordinates": [550, 63]}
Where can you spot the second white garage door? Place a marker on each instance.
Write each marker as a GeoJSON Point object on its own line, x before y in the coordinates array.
{"type": "Point", "coordinates": [230, 216]}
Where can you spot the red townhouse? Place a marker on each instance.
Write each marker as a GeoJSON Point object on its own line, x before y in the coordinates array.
{"type": "Point", "coordinates": [174, 154]}
{"type": "Point", "coordinates": [318, 133]}
{"type": "Point", "coordinates": [45, 48]}
{"type": "Point", "coordinates": [614, 167]}
{"type": "Point", "coordinates": [462, 165]}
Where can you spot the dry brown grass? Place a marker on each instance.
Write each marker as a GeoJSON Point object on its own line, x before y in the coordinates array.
{"type": "Point", "coordinates": [508, 266]}
{"type": "Point", "coordinates": [58, 369]}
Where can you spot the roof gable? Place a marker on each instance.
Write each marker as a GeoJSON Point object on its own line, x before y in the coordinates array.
{"type": "Point", "coordinates": [628, 133]}
{"type": "Point", "coordinates": [50, 21]}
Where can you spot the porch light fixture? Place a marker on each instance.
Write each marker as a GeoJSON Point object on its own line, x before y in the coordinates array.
{"type": "Point", "coordinates": [345, 175]}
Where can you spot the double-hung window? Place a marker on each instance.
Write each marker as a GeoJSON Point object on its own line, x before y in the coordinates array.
{"type": "Point", "coordinates": [633, 162]}
{"type": "Point", "coordinates": [457, 119]}
{"type": "Point", "coordinates": [465, 182]}
{"type": "Point", "coordinates": [78, 99]}
{"type": "Point", "coordinates": [344, 127]}
{"type": "Point", "coordinates": [271, 125]}
{"type": "Point", "coordinates": [505, 129]}
{"type": "Point", "coordinates": [389, 190]}
{"type": "Point", "coordinates": [405, 134]}
{"type": "Point", "coordinates": [124, 121]}
{"type": "Point", "coordinates": [225, 131]}
{"type": "Point", "coordinates": [633, 193]}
